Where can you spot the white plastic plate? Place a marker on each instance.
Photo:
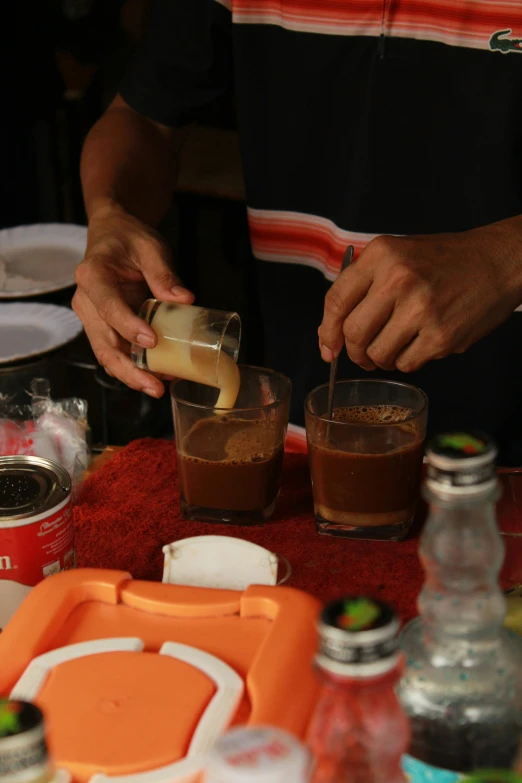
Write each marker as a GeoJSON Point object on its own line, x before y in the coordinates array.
{"type": "Point", "coordinates": [32, 329]}
{"type": "Point", "coordinates": [39, 259]}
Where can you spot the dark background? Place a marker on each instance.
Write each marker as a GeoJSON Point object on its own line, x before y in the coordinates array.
{"type": "Point", "coordinates": [62, 63]}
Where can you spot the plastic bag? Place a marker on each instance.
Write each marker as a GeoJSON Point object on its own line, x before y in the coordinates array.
{"type": "Point", "coordinates": [57, 430]}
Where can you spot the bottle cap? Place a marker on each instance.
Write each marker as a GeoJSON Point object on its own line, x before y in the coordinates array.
{"type": "Point", "coordinates": [23, 751]}
{"type": "Point", "coordinates": [258, 755]}
{"type": "Point", "coordinates": [461, 464]}
{"type": "Point", "coordinates": [358, 637]}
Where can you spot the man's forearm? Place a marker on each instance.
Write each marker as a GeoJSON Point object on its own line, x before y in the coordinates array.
{"type": "Point", "coordinates": [131, 162]}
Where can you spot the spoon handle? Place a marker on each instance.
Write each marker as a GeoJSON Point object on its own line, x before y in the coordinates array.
{"type": "Point", "coordinates": [347, 260]}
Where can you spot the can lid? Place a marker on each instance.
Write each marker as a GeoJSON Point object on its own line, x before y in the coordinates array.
{"type": "Point", "coordinates": [258, 755]}
{"type": "Point", "coordinates": [461, 463]}
{"type": "Point", "coordinates": [22, 740]}
{"type": "Point", "coordinates": [358, 636]}
{"type": "Point", "coordinates": [29, 484]}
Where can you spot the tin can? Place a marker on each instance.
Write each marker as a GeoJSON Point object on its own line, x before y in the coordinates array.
{"type": "Point", "coordinates": [36, 527]}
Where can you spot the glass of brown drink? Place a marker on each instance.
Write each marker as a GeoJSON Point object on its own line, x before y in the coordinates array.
{"type": "Point", "coordinates": [230, 460]}
{"type": "Point", "coordinates": [366, 461]}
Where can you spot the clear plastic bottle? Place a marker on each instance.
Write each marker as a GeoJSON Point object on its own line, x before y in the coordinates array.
{"type": "Point", "coordinates": [358, 732]}
{"type": "Point", "coordinates": [462, 683]}
{"type": "Point", "coordinates": [260, 754]}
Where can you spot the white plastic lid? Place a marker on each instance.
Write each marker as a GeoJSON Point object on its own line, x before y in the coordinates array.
{"type": "Point", "coordinates": [258, 755]}
{"type": "Point", "coordinates": [222, 562]}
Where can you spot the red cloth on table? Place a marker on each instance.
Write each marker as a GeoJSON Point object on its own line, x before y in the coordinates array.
{"type": "Point", "coordinates": [129, 510]}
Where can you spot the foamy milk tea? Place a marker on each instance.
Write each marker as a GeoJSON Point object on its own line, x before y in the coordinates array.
{"type": "Point", "coordinates": [195, 344]}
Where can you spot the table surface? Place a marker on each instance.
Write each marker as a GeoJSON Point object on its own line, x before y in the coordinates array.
{"type": "Point", "coordinates": [509, 512]}
{"type": "Point", "coordinates": [100, 459]}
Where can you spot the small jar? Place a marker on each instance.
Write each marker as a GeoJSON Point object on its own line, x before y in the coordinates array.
{"type": "Point", "coordinates": [24, 757]}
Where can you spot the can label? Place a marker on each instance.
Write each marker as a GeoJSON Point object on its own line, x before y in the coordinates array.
{"type": "Point", "coordinates": [32, 550]}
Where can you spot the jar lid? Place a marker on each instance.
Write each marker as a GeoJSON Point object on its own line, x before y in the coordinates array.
{"type": "Point", "coordinates": [461, 463]}
{"type": "Point", "coordinates": [258, 755]}
{"type": "Point", "coordinates": [16, 717]}
{"type": "Point", "coordinates": [30, 485]}
{"type": "Point", "coordinates": [358, 636]}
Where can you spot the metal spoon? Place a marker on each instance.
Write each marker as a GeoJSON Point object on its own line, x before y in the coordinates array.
{"type": "Point", "coordinates": [347, 260]}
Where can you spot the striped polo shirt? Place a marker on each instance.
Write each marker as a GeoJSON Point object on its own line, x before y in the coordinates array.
{"type": "Point", "coordinates": [356, 117]}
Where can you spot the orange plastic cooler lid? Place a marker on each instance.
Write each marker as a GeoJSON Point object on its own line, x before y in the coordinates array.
{"type": "Point", "coordinates": [138, 679]}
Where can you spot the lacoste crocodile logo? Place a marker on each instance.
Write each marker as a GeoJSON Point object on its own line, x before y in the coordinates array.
{"type": "Point", "coordinates": [505, 45]}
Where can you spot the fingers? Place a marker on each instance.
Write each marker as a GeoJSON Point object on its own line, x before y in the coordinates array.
{"type": "Point", "coordinates": [100, 283]}
{"type": "Point", "coordinates": [400, 329]}
{"type": "Point", "coordinates": [120, 366]}
{"type": "Point", "coordinates": [345, 294]}
{"type": "Point", "coordinates": [108, 349]}
{"type": "Point", "coordinates": [431, 343]}
{"type": "Point", "coordinates": [364, 323]}
{"type": "Point", "coordinates": [385, 308]}
{"type": "Point", "coordinates": [162, 281]}
{"type": "Point", "coordinates": [124, 258]}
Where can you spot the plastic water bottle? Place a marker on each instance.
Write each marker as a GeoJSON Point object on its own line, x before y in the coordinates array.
{"type": "Point", "coordinates": [258, 755]}
{"type": "Point", "coordinates": [358, 732]}
{"type": "Point", "coordinates": [462, 683]}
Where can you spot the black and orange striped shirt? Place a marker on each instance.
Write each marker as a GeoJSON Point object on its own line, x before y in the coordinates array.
{"type": "Point", "coordinates": [357, 117]}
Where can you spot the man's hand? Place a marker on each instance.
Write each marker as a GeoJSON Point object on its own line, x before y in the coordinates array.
{"type": "Point", "coordinates": [407, 300]}
{"type": "Point", "coordinates": [124, 259]}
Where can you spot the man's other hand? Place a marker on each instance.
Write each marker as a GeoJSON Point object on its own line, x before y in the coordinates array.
{"type": "Point", "coordinates": [408, 300]}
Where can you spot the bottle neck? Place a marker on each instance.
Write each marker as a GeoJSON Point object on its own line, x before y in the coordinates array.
{"type": "Point", "coordinates": [467, 522]}
{"type": "Point", "coordinates": [350, 681]}
{"type": "Point", "coordinates": [461, 551]}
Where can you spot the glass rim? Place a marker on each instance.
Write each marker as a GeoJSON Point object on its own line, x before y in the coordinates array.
{"type": "Point", "coordinates": [151, 305]}
{"type": "Point", "coordinates": [198, 406]}
{"type": "Point", "coordinates": [410, 386]}
{"type": "Point", "coordinates": [232, 319]}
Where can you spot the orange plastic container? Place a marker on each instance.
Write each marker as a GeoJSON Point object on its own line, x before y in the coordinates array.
{"type": "Point", "coordinates": [137, 679]}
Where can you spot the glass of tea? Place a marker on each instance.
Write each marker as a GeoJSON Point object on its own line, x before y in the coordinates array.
{"type": "Point", "coordinates": [230, 460]}
{"type": "Point", "coordinates": [193, 343]}
{"type": "Point", "coordinates": [366, 461]}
